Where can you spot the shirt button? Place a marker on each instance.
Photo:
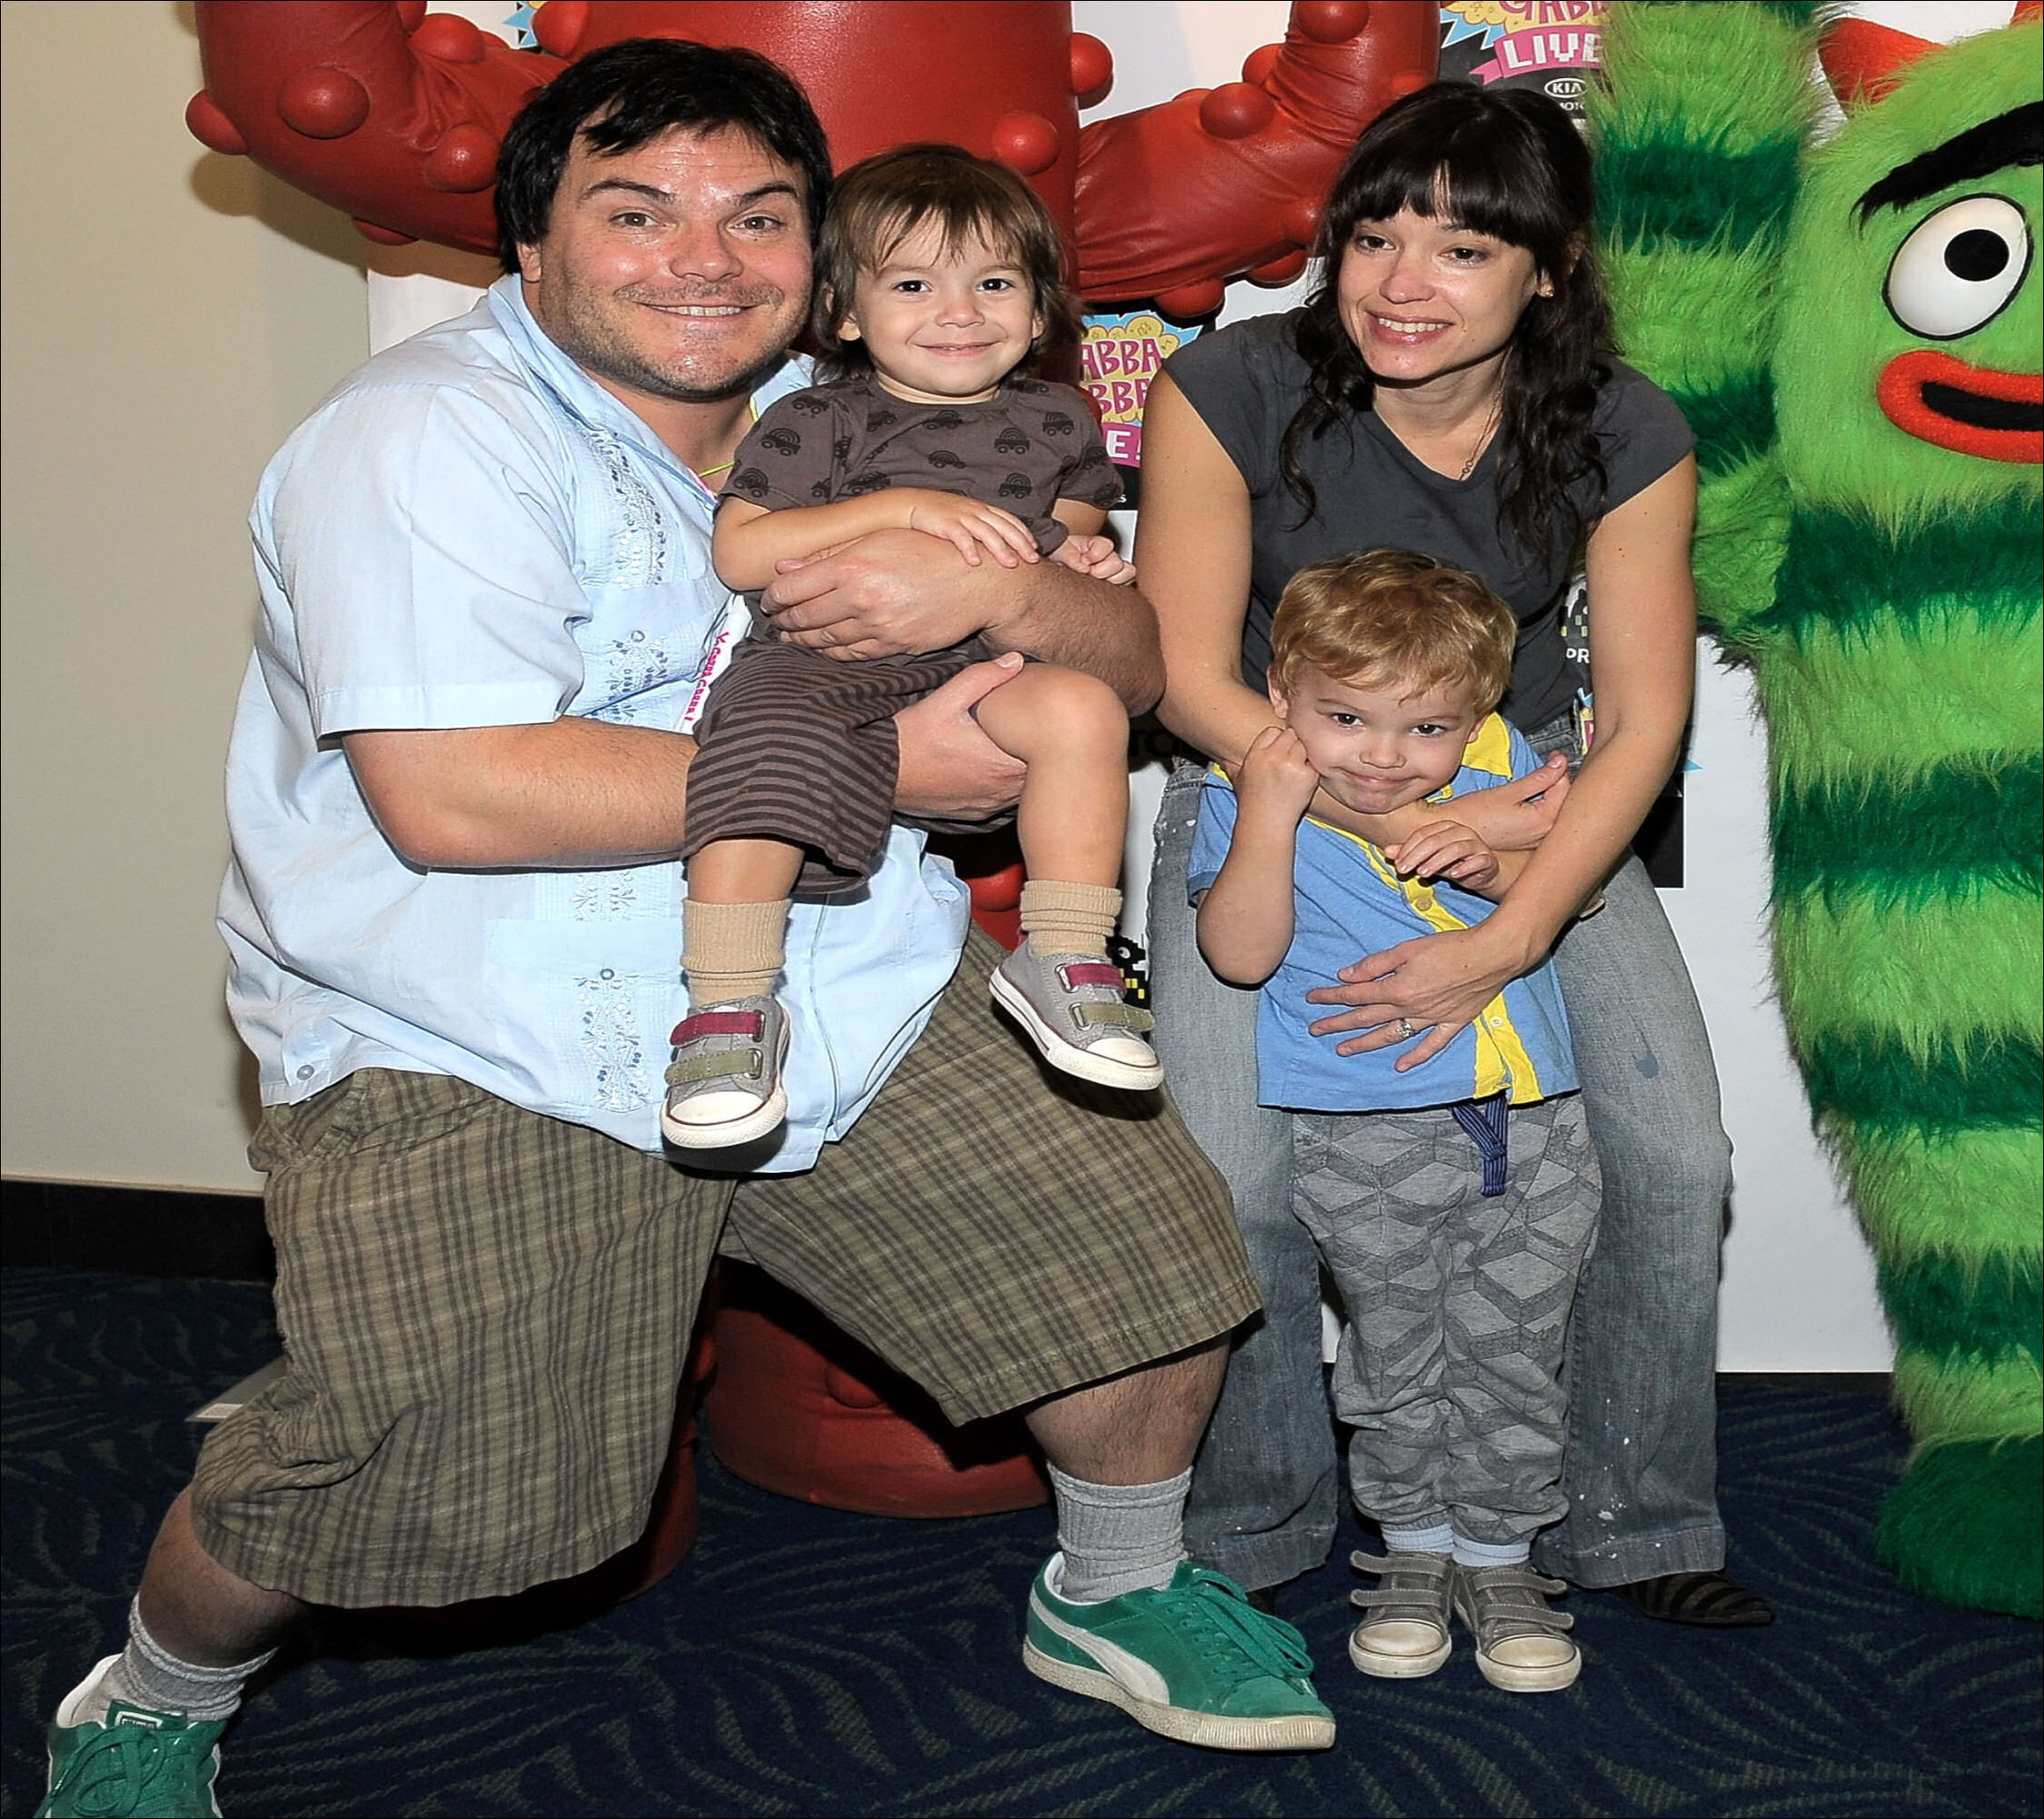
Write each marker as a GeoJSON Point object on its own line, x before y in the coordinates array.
{"type": "Point", "coordinates": [307, 1071]}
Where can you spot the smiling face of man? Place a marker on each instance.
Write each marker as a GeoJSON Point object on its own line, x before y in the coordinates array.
{"type": "Point", "coordinates": [676, 271]}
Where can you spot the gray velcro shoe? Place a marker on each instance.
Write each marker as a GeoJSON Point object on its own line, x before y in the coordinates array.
{"type": "Point", "coordinates": [1406, 1635]}
{"type": "Point", "coordinates": [1521, 1646]}
{"type": "Point", "coordinates": [1072, 1007]}
{"type": "Point", "coordinates": [724, 1087]}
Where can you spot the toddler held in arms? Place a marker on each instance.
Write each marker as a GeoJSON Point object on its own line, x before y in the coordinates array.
{"type": "Point", "coordinates": [939, 282]}
{"type": "Point", "coordinates": [1452, 1203]}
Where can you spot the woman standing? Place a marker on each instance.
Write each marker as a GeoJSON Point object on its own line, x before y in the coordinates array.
{"type": "Point", "coordinates": [1448, 388]}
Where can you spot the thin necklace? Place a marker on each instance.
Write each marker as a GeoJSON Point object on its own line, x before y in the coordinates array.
{"type": "Point", "coordinates": [1484, 441]}
{"type": "Point", "coordinates": [752, 417]}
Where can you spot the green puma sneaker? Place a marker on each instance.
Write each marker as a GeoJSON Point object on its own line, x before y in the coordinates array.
{"type": "Point", "coordinates": [1193, 1660]}
{"type": "Point", "coordinates": [133, 1765]}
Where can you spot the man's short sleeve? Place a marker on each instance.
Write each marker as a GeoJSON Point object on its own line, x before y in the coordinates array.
{"type": "Point", "coordinates": [420, 537]}
{"type": "Point", "coordinates": [787, 459]}
{"type": "Point", "coordinates": [1213, 834]}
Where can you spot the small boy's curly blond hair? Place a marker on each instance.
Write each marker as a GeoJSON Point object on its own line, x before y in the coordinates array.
{"type": "Point", "coordinates": [1385, 619]}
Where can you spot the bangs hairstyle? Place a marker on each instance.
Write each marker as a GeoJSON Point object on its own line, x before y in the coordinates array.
{"type": "Point", "coordinates": [1509, 163]}
{"type": "Point", "coordinates": [1385, 619]}
{"type": "Point", "coordinates": [627, 95]}
{"type": "Point", "coordinates": [972, 203]}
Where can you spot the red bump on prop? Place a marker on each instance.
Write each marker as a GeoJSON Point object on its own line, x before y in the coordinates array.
{"type": "Point", "coordinates": [212, 128]}
{"type": "Point", "coordinates": [1093, 69]}
{"type": "Point", "coordinates": [410, 12]}
{"type": "Point", "coordinates": [1301, 220]}
{"type": "Point", "coordinates": [1281, 271]}
{"type": "Point", "coordinates": [1236, 110]}
{"type": "Point", "coordinates": [464, 160]}
{"type": "Point", "coordinates": [321, 103]}
{"type": "Point", "coordinates": [450, 37]}
{"type": "Point", "coordinates": [1408, 82]}
{"type": "Point", "coordinates": [1331, 22]}
{"type": "Point", "coordinates": [382, 236]}
{"type": "Point", "coordinates": [1258, 65]}
{"type": "Point", "coordinates": [559, 25]}
{"type": "Point", "coordinates": [1026, 142]}
{"type": "Point", "coordinates": [1190, 301]}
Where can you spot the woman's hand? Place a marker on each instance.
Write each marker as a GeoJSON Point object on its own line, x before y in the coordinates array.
{"type": "Point", "coordinates": [1436, 984]}
{"type": "Point", "coordinates": [1517, 816]}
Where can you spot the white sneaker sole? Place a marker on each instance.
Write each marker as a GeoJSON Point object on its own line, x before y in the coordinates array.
{"type": "Point", "coordinates": [1398, 1666]}
{"type": "Point", "coordinates": [772, 1112]}
{"type": "Point", "coordinates": [1510, 1679]}
{"type": "Point", "coordinates": [1068, 1057]}
{"type": "Point", "coordinates": [1210, 1730]}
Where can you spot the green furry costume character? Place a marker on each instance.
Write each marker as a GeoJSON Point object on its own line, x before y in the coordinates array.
{"type": "Point", "coordinates": [1855, 333]}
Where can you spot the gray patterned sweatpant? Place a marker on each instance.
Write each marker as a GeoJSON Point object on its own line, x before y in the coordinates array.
{"type": "Point", "coordinates": [1457, 1307]}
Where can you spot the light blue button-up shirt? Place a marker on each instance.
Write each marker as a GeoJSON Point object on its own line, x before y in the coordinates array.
{"type": "Point", "coordinates": [1348, 901]}
{"type": "Point", "coordinates": [471, 532]}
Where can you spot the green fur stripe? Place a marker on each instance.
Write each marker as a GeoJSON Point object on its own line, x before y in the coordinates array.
{"type": "Point", "coordinates": [1944, 1308]}
{"type": "Point", "coordinates": [1733, 423]}
{"type": "Point", "coordinates": [1691, 321]}
{"type": "Point", "coordinates": [1680, 191]}
{"type": "Point", "coordinates": [1842, 569]}
{"type": "Point", "coordinates": [1733, 77]}
{"type": "Point", "coordinates": [1881, 699]}
{"type": "Point", "coordinates": [1959, 1086]}
{"type": "Point", "coordinates": [1742, 529]}
{"type": "Point", "coordinates": [1940, 831]}
{"type": "Point", "coordinates": [1963, 1526]}
{"type": "Point", "coordinates": [1916, 974]}
{"type": "Point", "coordinates": [1942, 1399]}
{"type": "Point", "coordinates": [1973, 1196]}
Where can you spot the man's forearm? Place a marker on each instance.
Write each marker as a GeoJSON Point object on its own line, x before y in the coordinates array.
{"type": "Point", "coordinates": [565, 794]}
{"type": "Point", "coordinates": [1061, 617]}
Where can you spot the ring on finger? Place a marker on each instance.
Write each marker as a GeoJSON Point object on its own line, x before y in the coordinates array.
{"type": "Point", "coordinates": [1405, 1028]}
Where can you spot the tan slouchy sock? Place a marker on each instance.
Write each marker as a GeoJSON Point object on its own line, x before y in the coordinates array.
{"type": "Point", "coordinates": [732, 950]}
{"type": "Point", "coordinates": [1069, 919]}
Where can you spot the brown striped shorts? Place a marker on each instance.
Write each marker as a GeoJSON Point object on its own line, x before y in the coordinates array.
{"type": "Point", "coordinates": [485, 1311]}
{"type": "Point", "coordinates": [800, 747]}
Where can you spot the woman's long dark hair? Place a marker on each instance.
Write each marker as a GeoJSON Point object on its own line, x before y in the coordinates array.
{"type": "Point", "coordinates": [1510, 164]}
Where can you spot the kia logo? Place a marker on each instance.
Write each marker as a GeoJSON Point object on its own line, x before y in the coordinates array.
{"type": "Point", "coordinates": [1567, 87]}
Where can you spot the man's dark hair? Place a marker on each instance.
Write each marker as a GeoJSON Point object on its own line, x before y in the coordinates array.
{"type": "Point", "coordinates": [626, 94]}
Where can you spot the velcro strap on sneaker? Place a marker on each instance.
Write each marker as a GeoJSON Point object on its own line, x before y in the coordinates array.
{"type": "Point", "coordinates": [1090, 972]}
{"type": "Point", "coordinates": [1113, 1017]}
{"type": "Point", "coordinates": [746, 1061]}
{"type": "Point", "coordinates": [719, 1023]}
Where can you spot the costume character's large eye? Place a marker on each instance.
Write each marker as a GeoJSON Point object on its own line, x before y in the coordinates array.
{"type": "Point", "coordinates": [1958, 270]}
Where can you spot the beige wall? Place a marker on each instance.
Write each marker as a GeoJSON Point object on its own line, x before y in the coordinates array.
{"type": "Point", "coordinates": [169, 316]}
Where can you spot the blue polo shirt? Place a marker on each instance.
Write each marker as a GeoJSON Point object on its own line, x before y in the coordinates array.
{"type": "Point", "coordinates": [1348, 901]}
{"type": "Point", "coordinates": [469, 532]}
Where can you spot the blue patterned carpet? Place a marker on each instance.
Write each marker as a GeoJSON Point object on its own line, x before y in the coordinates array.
{"type": "Point", "coordinates": [805, 1661]}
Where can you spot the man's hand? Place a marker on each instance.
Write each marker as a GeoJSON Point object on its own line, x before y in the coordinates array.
{"type": "Point", "coordinates": [950, 769]}
{"type": "Point", "coordinates": [890, 593]}
{"type": "Point", "coordinates": [1097, 557]}
{"type": "Point", "coordinates": [1275, 780]}
{"type": "Point", "coordinates": [1445, 849]}
{"type": "Point", "coordinates": [972, 528]}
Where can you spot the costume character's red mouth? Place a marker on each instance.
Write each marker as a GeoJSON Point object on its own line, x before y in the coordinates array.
{"type": "Point", "coordinates": [1998, 416]}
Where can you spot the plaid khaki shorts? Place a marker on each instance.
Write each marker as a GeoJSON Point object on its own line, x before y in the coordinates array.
{"type": "Point", "coordinates": [485, 1311]}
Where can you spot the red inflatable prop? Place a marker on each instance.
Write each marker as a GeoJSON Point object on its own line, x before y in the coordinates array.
{"type": "Point", "coordinates": [395, 114]}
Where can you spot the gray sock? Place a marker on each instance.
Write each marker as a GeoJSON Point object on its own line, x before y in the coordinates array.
{"type": "Point", "coordinates": [147, 1675]}
{"type": "Point", "coordinates": [1118, 1538]}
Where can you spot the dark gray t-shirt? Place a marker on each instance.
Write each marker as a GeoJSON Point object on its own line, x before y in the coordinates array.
{"type": "Point", "coordinates": [1030, 445]}
{"type": "Point", "coordinates": [1247, 380]}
